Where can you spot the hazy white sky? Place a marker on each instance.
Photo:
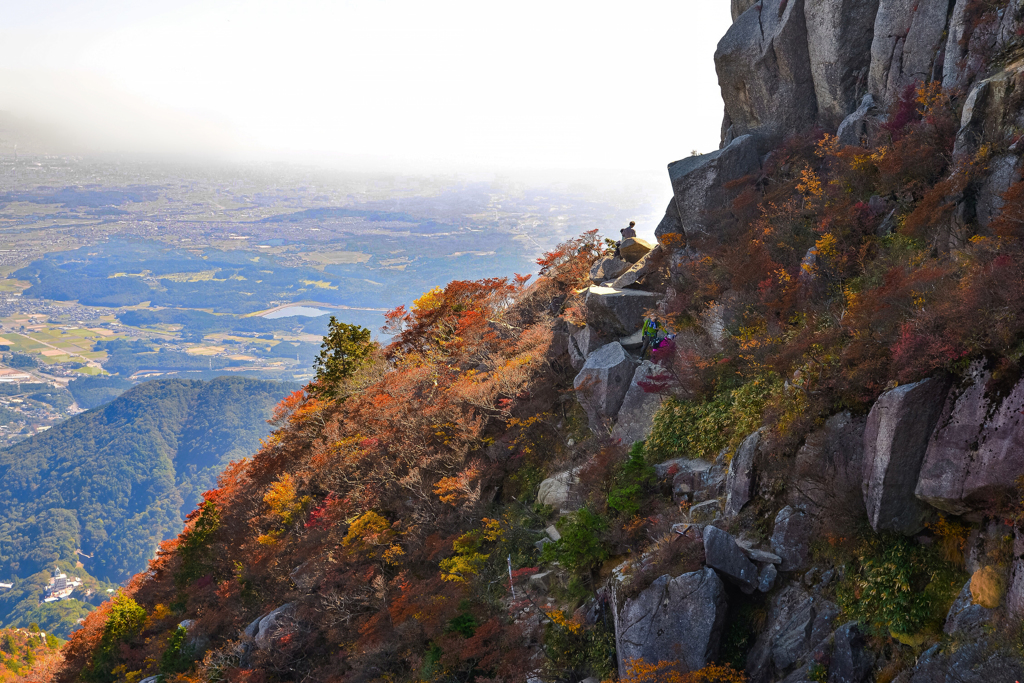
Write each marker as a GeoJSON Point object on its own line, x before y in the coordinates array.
{"type": "Point", "coordinates": [399, 84]}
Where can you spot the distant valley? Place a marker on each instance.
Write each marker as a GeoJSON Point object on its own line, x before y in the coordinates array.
{"type": "Point", "coordinates": [97, 493]}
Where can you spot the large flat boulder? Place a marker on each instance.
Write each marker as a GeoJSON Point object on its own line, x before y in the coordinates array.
{"type": "Point", "coordinates": [765, 75]}
{"type": "Point", "coordinates": [722, 554]}
{"type": "Point", "coordinates": [895, 440]}
{"type": "Point", "coordinates": [615, 313]}
{"type": "Point", "coordinates": [908, 37]}
{"type": "Point", "coordinates": [675, 619]}
{"type": "Point", "coordinates": [699, 183]}
{"type": "Point", "coordinates": [636, 415]}
{"type": "Point", "coordinates": [839, 35]}
{"type": "Point", "coordinates": [974, 455]}
{"type": "Point", "coordinates": [740, 482]}
{"type": "Point", "coordinates": [632, 249]}
{"type": "Point", "coordinates": [603, 381]}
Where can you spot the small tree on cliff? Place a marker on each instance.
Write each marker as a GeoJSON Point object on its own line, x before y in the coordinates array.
{"type": "Point", "coordinates": [344, 349]}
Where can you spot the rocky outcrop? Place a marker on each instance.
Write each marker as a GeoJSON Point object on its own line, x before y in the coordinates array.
{"type": "Point", "coordinates": [603, 381]}
{"type": "Point", "coordinates": [272, 626]}
{"type": "Point", "coordinates": [974, 456]}
{"type": "Point", "coordinates": [791, 538]}
{"type": "Point", "coordinates": [798, 625]}
{"type": "Point", "coordinates": [965, 617]}
{"type": "Point", "coordinates": [895, 439]}
{"type": "Point", "coordinates": [675, 619]}
{"type": "Point", "coordinates": [839, 36]}
{"type": "Point", "coordinates": [829, 469]}
{"type": "Point", "coordinates": [641, 269]}
{"type": "Point", "coordinates": [970, 662]}
{"type": "Point", "coordinates": [636, 415]}
{"type": "Point", "coordinates": [740, 482]}
{"type": "Point", "coordinates": [614, 313]}
{"type": "Point", "coordinates": [908, 38]}
{"type": "Point", "coordinates": [722, 554]}
{"type": "Point", "coordinates": [851, 661]}
{"type": "Point", "coordinates": [856, 127]}
{"type": "Point", "coordinates": [699, 182]}
{"type": "Point", "coordinates": [670, 233]}
{"type": "Point", "coordinates": [582, 343]}
{"type": "Point", "coordinates": [607, 269]}
{"type": "Point", "coordinates": [765, 75]}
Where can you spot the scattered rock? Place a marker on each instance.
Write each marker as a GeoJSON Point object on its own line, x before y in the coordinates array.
{"type": "Point", "coordinates": [791, 538]}
{"type": "Point", "coordinates": [643, 267]}
{"type": "Point", "coordinates": [675, 619]}
{"type": "Point", "coordinates": [973, 457]}
{"type": "Point", "coordinates": [636, 415]}
{"type": "Point", "coordinates": [758, 555]}
{"type": "Point", "coordinates": [608, 268]}
{"type": "Point", "coordinates": [680, 465]}
{"type": "Point", "coordinates": [554, 491]}
{"type": "Point", "coordinates": [552, 533]}
{"type": "Point", "coordinates": [739, 483]}
{"type": "Point", "coordinates": [615, 313]}
{"type": "Point", "coordinates": [699, 183]}
{"type": "Point", "coordinates": [603, 381]}
{"type": "Point", "coordinates": [895, 440]}
{"type": "Point", "coordinates": [539, 545]}
{"type": "Point", "coordinates": [722, 554]}
{"type": "Point", "coordinates": [632, 249]}
{"type": "Point", "coordinates": [582, 343]}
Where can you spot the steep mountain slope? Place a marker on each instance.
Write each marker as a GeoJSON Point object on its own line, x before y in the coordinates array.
{"type": "Point", "coordinates": [816, 477]}
{"type": "Point", "coordinates": [115, 481]}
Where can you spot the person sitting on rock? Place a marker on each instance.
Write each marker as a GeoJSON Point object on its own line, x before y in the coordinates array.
{"type": "Point", "coordinates": [627, 232]}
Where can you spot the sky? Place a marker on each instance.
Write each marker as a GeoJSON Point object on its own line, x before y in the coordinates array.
{"type": "Point", "coordinates": [398, 85]}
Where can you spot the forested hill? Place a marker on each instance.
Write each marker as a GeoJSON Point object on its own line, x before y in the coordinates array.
{"type": "Point", "coordinates": [117, 480]}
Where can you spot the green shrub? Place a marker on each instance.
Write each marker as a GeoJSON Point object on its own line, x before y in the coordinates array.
{"type": "Point", "coordinates": [702, 428]}
{"type": "Point", "coordinates": [580, 549]}
{"type": "Point", "coordinates": [631, 481]}
{"type": "Point", "coordinates": [124, 622]}
{"type": "Point", "coordinates": [194, 546]}
{"type": "Point", "coordinates": [898, 587]}
{"type": "Point", "coordinates": [178, 656]}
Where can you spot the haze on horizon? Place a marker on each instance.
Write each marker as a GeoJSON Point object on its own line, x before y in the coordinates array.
{"type": "Point", "coordinates": [397, 86]}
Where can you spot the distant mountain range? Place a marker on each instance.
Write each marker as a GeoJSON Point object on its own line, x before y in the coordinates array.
{"type": "Point", "coordinates": [115, 481]}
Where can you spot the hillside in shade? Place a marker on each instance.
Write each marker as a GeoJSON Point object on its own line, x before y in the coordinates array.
{"type": "Point", "coordinates": [115, 481]}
